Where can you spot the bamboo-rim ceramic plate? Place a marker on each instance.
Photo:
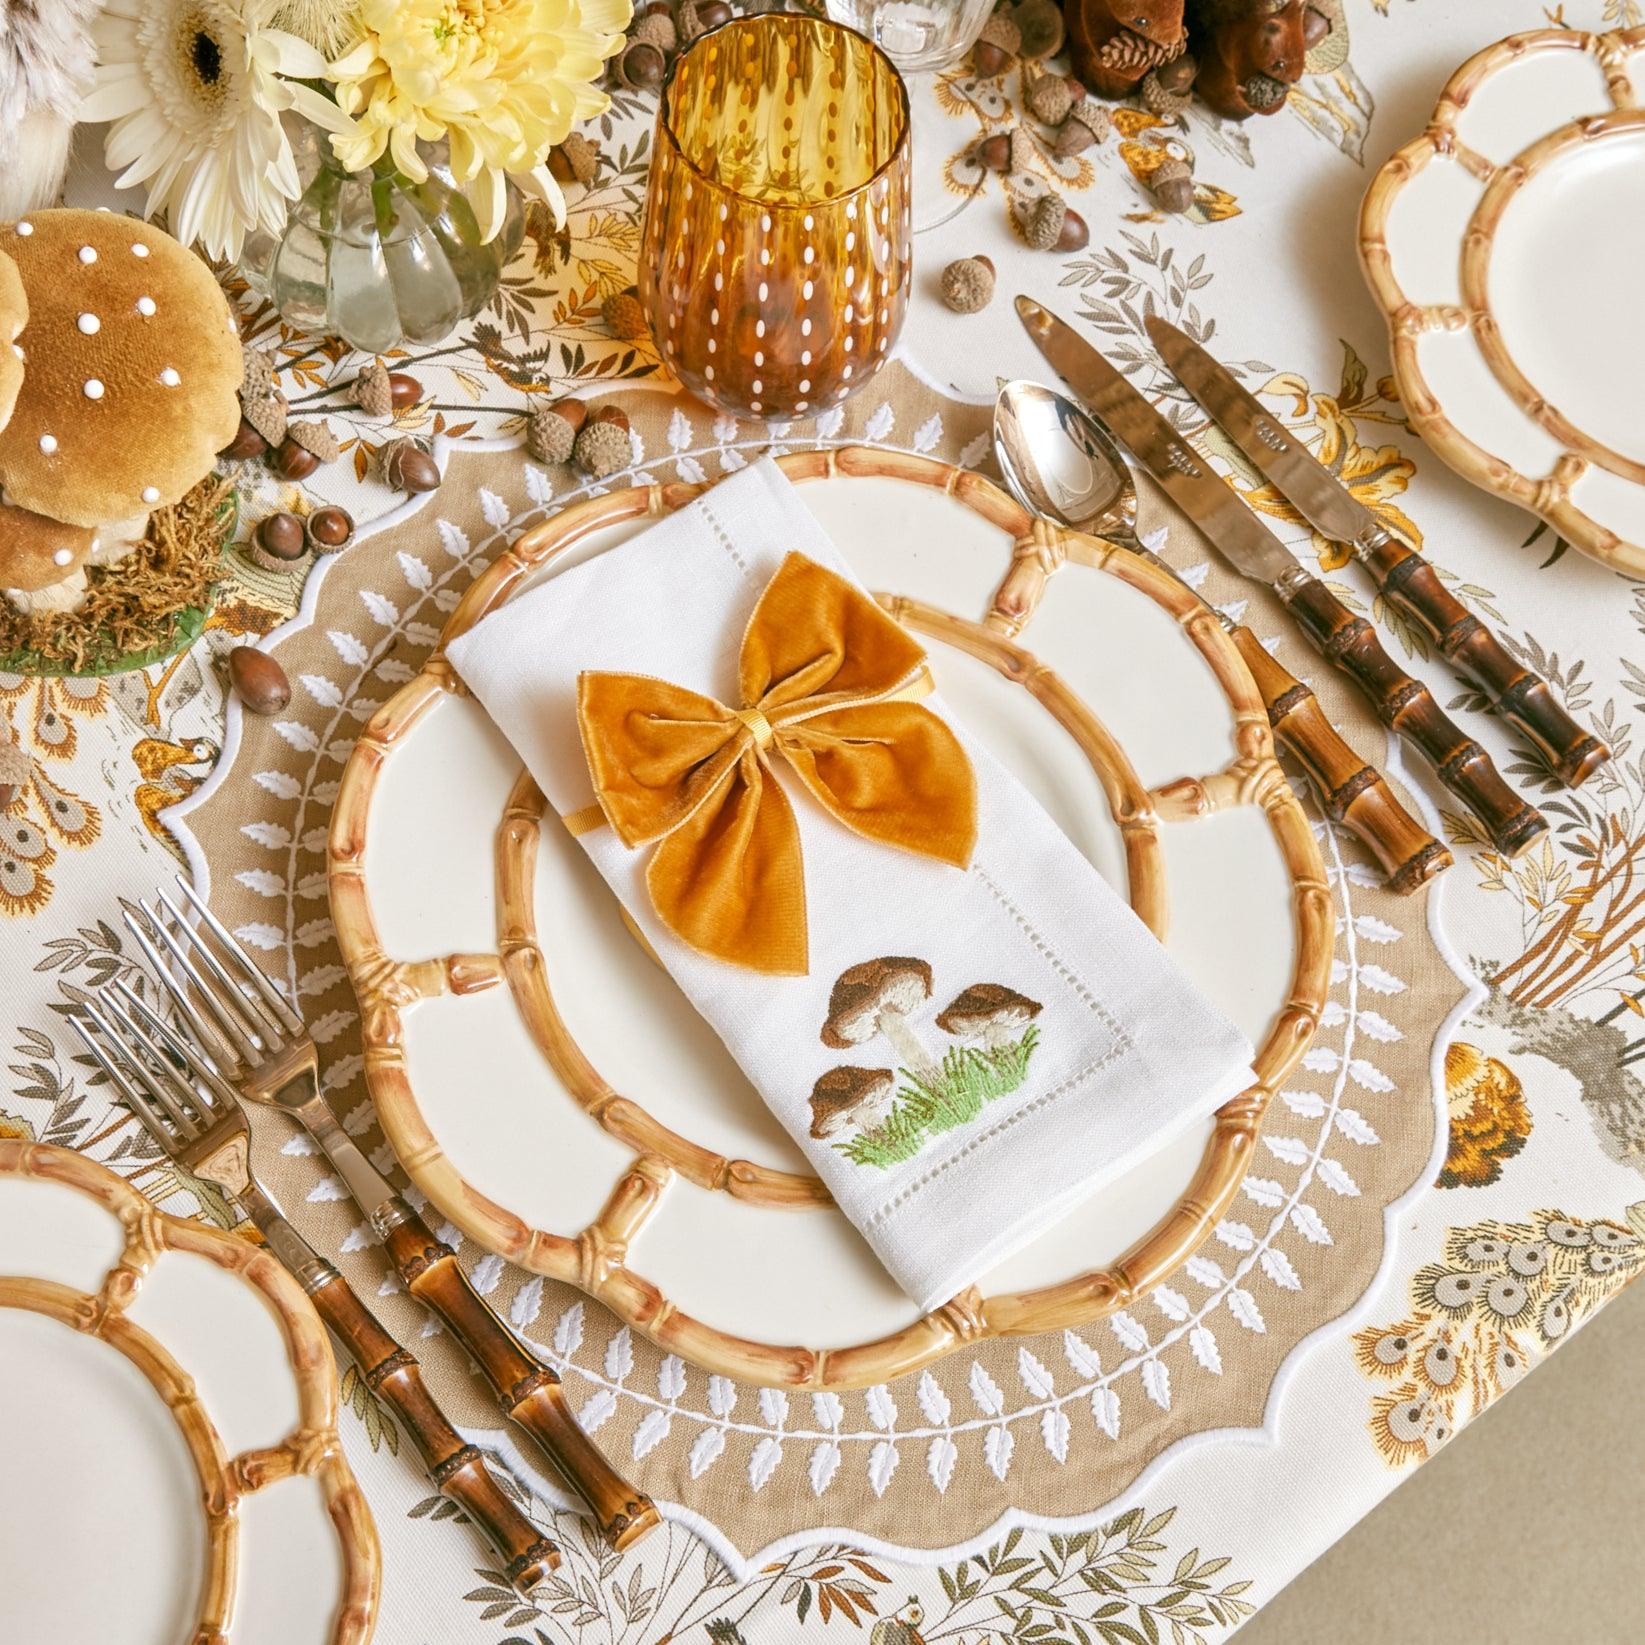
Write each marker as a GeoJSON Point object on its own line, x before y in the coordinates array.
{"type": "Point", "coordinates": [145, 1502]}
{"type": "Point", "coordinates": [1504, 246]}
{"type": "Point", "coordinates": [557, 1099]}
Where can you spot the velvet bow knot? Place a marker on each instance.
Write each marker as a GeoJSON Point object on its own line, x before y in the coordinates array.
{"type": "Point", "coordinates": [830, 683]}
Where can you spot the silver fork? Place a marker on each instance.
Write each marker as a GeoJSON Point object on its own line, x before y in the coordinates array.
{"type": "Point", "coordinates": [192, 1113]}
{"type": "Point", "coordinates": [260, 1045]}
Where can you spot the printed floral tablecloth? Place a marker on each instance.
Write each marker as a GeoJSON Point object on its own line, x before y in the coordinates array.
{"type": "Point", "coordinates": [1451, 1191]}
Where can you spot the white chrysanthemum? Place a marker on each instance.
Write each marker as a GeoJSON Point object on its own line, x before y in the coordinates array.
{"type": "Point", "coordinates": [193, 91]}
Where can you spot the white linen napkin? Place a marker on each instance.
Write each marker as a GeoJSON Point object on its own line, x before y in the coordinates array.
{"type": "Point", "coordinates": [1115, 1049]}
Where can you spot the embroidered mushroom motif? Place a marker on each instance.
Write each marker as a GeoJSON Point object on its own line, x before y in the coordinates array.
{"type": "Point", "coordinates": [878, 997]}
{"type": "Point", "coordinates": [988, 1014]}
{"type": "Point", "coordinates": [847, 1096]}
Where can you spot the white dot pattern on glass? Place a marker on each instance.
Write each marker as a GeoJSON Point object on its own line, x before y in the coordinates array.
{"type": "Point", "coordinates": [145, 306]}
{"type": "Point", "coordinates": [88, 254]}
{"type": "Point", "coordinates": [151, 494]}
{"type": "Point", "coordinates": [92, 388]}
{"type": "Point", "coordinates": [89, 324]}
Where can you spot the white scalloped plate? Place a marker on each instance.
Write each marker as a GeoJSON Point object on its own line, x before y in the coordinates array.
{"type": "Point", "coordinates": [1505, 246]}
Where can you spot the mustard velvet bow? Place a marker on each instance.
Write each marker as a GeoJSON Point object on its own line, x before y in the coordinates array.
{"type": "Point", "coordinates": [830, 683]}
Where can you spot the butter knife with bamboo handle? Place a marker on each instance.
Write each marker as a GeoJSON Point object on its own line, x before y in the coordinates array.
{"type": "Point", "coordinates": [1403, 577]}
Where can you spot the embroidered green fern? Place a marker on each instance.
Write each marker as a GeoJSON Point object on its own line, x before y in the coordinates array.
{"type": "Point", "coordinates": [954, 1094]}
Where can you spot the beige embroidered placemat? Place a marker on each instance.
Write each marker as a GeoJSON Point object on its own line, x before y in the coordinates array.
{"type": "Point", "coordinates": [1046, 1425]}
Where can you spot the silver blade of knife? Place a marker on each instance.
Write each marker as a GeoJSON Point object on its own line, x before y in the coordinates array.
{"type": "Point", "coordinates": [1318, 495]}
{"type": "Point", "coordinates": [1232, 529]}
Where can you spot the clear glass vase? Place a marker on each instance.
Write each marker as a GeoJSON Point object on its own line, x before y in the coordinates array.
{"type": "Point", "coordinates": [375, 258]}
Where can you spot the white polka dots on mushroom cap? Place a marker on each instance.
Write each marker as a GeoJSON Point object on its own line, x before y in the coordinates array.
{"type": "Point", "coordinates": [48, 444]}
{"type": "Point", "coordinates": [138, 249]}
{"type": "Point", "coordinates": [93, 388]}
{"type": "Point", "coordinates": [151, 494]}
{"type": "Point", "coordinates": [88, 254]}
{"type": "Point", "coordinates": [89, 324]}
{"type": "Point", "coordinates": [25, 229]}
{"type": "Point", "coordinates": [169, 377]}
{"type": "Point", "coordinates": [145, 306]}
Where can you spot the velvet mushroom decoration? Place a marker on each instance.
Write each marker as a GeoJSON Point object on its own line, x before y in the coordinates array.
{"type": "Point", "coordinates": [131, 371]}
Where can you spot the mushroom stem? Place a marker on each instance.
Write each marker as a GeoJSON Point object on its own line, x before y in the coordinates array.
{"type": "Point", "coordinates": [906, 1043]}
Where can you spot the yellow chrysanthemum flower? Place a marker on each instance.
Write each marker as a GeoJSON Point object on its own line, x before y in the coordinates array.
{"type": "Point", "coordinates": [502, 80]}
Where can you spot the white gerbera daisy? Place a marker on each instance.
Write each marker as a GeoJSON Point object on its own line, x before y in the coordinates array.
{"type": "Point", "coordinates": [193, 91]}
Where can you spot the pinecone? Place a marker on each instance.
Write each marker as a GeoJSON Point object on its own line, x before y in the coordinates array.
{"type": "Point", "coordinates": [1133, 54]}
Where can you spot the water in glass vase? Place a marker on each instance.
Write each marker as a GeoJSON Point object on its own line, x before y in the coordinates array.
{"type": "Point", "coordinates": [376, 258]}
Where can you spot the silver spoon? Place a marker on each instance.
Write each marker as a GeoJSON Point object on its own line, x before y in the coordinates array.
{"type": "Point", "coordinates": [1059, 462]}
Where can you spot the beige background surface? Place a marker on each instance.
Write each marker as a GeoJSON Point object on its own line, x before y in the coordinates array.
{"type": "Point", "coordinates": [1529, 1526]}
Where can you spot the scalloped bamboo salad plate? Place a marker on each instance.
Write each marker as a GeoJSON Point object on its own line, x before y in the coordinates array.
{"type": "Point", "coordinates": [556, 1097]}
{"type": "Point", "coordinates": [1505, 247]}
{"type": "Point", "coordinates": [173, 1470]}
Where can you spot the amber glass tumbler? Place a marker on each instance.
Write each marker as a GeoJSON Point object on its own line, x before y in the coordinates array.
{"type": "Point", "coordinates": [774, 263]}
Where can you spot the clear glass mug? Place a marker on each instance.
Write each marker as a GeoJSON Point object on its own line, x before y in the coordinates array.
{"type": "Point", "coordinates": [916, 34]}
{"type": "Point", "coordinates": [774, 262]}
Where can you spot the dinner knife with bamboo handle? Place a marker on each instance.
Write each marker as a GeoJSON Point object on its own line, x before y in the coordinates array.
{"type": "Point", "coordinates": [528, 1392]}
{"type": "Point", "coordinates": [1403, 577]}
{"type": "Point", "coordinates": [1351, 790]}
{"type": "Point", "coordinates": [1403, 703]}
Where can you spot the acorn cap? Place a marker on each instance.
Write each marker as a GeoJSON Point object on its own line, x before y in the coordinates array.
{"type": "Point", "coordinates": [624, 315]}
{"type": "Point", "coordinates": [1051, 98]}
{"type": "Point", "coordinates": [602, 447]}
{"type": "Point", "coordinates": [1172, 183]}
{"type": "Point", "coordinates": [258, 374]}
{"type": "Point", "coordinates": [14, 313]}
{"type": "Point", "coordinates": [550, 434]}
{"type": "Point", "coordinates": [315, 438]}
{"type": "Point", "coordinates": [1000, 31]}
{"type": "Point", "coordinates": [1022, 149]}
{"type": "Point", "coordinates": [1159, 98]}
{"type": "Point", "coordinates": [580, 156]}
{"type": "Point", "coordinates": [968, 284]}
{"type": "Point", "coordinates": [1088, 122]}
{"type": "Point", "coordinates": [657, 29]}
{"type": "Point", "coordinates": [1043, 221]}
{"type": "Point", "coordinates": [36, 552]}
{"type": "Point", "coordinates": [267, 414]}
{"type": "Point", "coordinates": [373, 393]}
{"type": "Point", "coordinates": [134, 383]}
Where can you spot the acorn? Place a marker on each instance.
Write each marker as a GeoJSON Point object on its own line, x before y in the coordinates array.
{"type": "Point", "coordinates": [993, 153]}
{"type": "Point", "coordinates": [403, 390]}
{"type": "Point", "coordinates": [656, 28]}
{"type": "Point", "coordinates": [1087, 123]}
{"type": "Point", "coordinates": [1172, 184]}
{"type": "Point", "coordinates": [1315, 26]}
{"type": "Point", "coordinates": [330, 529]}
{"type": "Point", "coordinates": [1158, 95]}
{"type": "Point", "coordinates": [278, 543]}
{"type": "Point", "coordinates": [294, 461]}
{"type": "Point", "coordinates": [247, 442]}
{"type": "Point", "coordinates": [1050, 224]}
{"type": "Point", "coordinates": [551, 432]}
{"type": "Point", "coordinates": [1040, 27]}
{"type": "Point", "coordinates": [624, 316]}
{"type": "Point", "coordinates": [258, 680]}
{"type": "Point", "coordinates": [602, 445]}
{"type": "Point", "coordinates": [968, 284]}
{"type": "Point", "coordinates": [257, 373]}
{"type": "Point", "coordinates": [406, 466]}
{"type": "Point", "coordinates": [714, 15]}
{"type": "Point", "coordinates": [574, 161]}
{"type": "Point", "coordinates": [315, 438]}
{"type": "Point", "coordinates": [641, 66]}
{"type": "Point", "coordinates": [997, 44]}
{"type": "Point", "coordinates": [1052, 96]}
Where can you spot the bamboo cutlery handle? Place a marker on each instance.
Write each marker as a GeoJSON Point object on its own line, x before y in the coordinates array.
{"type": "Point", "coordinates": [1406, 706]}
{"type": "Point", "coordinates": [1352, 792]}
{"type": "Point", "coordinates": [1519, 695]}
{"type": "Point", "coordinates": [457, 1468]}
{"type": "Point", "coordinates": [528, 1391]}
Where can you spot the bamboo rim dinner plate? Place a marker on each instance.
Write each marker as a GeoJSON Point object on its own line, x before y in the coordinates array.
{"type": "Point", "coordinates": [1504, 245]}
{"type": "Point", "coordinates": [543, 1082]}
{"type": "Point", "coordinates": [171, 1401]}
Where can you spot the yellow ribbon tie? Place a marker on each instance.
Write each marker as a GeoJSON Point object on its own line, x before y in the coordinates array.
{"type": "Point", "coordinates": [832, 684]}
